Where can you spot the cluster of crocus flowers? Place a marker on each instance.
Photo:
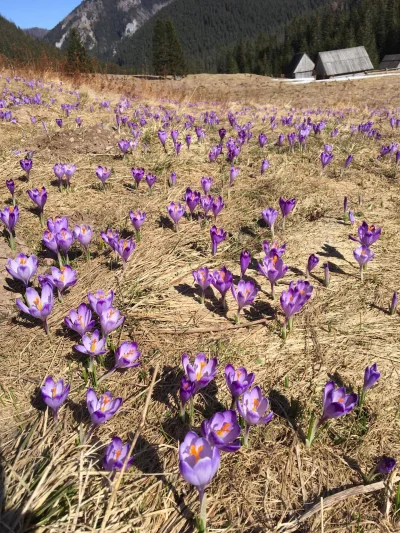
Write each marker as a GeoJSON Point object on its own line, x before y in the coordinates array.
{"type": "Point", "coordinates": [123, 247]}
{"type": "Point", "coordinates": [58, 238]}
{"type": "Point", "coordinates": [335, 403]}
{"type": "Point", "coordinates": [367, 236]}
{"type": "Point", "coordinates": [293, 300]}
{"type": "Point", "coordinates": [61, 170]}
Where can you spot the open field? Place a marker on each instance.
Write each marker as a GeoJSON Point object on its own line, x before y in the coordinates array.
{"type": "Point", "coordinates": [55, 483]}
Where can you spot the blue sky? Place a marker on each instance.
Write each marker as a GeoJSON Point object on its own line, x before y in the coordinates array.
{"type": "Point", "coordinates": [40, 13]}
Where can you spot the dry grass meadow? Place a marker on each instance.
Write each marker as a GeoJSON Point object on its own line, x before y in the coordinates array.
{"type": "Point", "coordinates": [54, 484]}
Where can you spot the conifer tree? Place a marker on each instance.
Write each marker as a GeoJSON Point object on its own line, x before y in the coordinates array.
{"type": "Point", "coordinates": [175, 57]}
{"type": "Point", "coordinates": [160, 47]}
{"type": "Point", "coordinates": [77, 56]}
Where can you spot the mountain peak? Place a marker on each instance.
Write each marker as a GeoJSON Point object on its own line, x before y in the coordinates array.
{"type": "Point", "coordinates": [102, 24]}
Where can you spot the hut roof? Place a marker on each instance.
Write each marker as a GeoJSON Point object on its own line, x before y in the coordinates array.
{"type": "Point", "coordinates": [300, 63]}
{"type": "Point", "coordinates": [344, 61]}
{"type": "Point", "coordinates": [390, 61]}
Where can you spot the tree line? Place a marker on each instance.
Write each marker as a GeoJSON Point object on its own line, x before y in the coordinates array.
{"type": "Point", "coordinates": [374, 24]}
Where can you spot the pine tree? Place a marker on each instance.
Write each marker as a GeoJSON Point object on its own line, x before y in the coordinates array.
{"type": "Point", "coordinates": [77, 56]}
{"type": "Point", "coordinates": [160, 47]}
{"type": "Point", "coordinates": [175, 57]}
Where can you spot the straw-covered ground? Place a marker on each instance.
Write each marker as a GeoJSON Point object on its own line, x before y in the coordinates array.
{"type": "Point", "coordinates": [53, 483]}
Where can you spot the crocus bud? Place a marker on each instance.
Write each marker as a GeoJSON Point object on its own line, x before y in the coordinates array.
{"type": "Point", "coordinates": [245, 259]}
{"type": "Point", "coordinates": [351, 217]}
{"type": "Point", "coordinates": [312, 262]}
{"type": "Point", "coordinates": [326, 268]}
{"type": "Point", "coordinates": [393, 305]}
{"type": "Point", "coordinates": [385, 465]}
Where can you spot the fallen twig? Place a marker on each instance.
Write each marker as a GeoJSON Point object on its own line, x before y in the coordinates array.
{"type": "Point", "coordinates": [135, 438]}
{"type": "Point", "coordinates": [331, 501]}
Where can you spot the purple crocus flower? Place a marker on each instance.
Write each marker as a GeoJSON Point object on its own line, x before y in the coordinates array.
{"type": "Point", "coordinates": [274, 269]}
{"type": "Point", "coordinates": [188, 140]}
{"type": "Point", "coordinates": [99, 302]}
{"type": "Point", "coordinates": [38, 306]}
{"type": "Point", "coordinates": [217, 236]}
{"type": "Point", "coordinates": [176, 212]}
{"type": "Point", "coordinates": [312, 262]}
{"type": "Point", "coordinates": [348, 161]}
{"type": "Point", "coordinates": [286, 207]}
{"type": "Point", "coordinates": [59, 171]}
{"type": "Point", "coordinates": [65, 239]}
{"type": "Point", "coordinates": [150, 180]}
{"type": "Point", "coordinates": [57, 224]}
{"type": "Point", "coordinates": [254, 409]}
{"type": "Point", "coordinates": [203, 278]}
{"type": "Point", "coordinates": [233, 174]}
{"type": "Point", "coordinates": [186, 392]}
{"type": "Point", "coordinates": [127, 355]}
{"type": "Point", "coordinates": [363, 255]}
{"type": "Point", "coordinates": [264, 166]}
{"type": "Point", "coordinates": [385, 465]}
{"type": "Point", "coordinates": [172, 179]}
{"type": "Point", "coordinates": [125, 249]}
{"type": "Point", "coordinates": [54, 394]}
{"type": "Point", "coordinates": [351, 217]}
{"type": "Point", "coordinates": [83, 234]}
{"type": "Point", "coordinates": [49, 241]}
{"type": "Point", "coordinates": [110, 320]}
{"type": "Point", "coordinates": [198, 464]}
{"type": "Point", "coordinates": [371, 376]}
{"type": "Point", "coordinates": [270, 215]}
{"type": "Point", "coordinates": [222, 431]}
{"type": "Point", "coordinates": [9, 216]}
{"type": "Point", "coordinates": [367, 234]}
{"type": "Point", "coordinates": [206, 203]}
{"type": "Point", "coordinates": [124, 146]}
{"type": "Point", "coordinates": [92, 345]}
{"type": "Point", "coordinates": [59, 279]}
{"type": "Point", "coordinates": [262, 140]}
{"type": "Point", "coordinates": [138, 175]}
{"type": "Point", "coordinates": [38, 197]}
{"type": "Point", "coordinates": [26, 165]}
{"type": "Point", "coordinates": [326, 158]}
{"type": "Point", "coordinates": [335, 403]}
{"type": "Point", "coordinates": [80, 320]}
{"type": "Point", "coordinates": [222, 133]}
{"type": "Point", "coordinates": [59, 122]}
{"type": "Point", "coordinates": [70, 170]}
{"type": "Point", "coordinates": [293, 300]}
{"type": "Point", "coordinates": [393, 304]}
{"type": "Point", "coordinates": [216, 207]}
{"type": "Point", "coordinates": [174, 135]}
{"type": "Point", "coordinates": [206, 184]}
{"type": "Point", "coordinates": [192, 198]}
{"type": "Point", "coordinates": [245, 259]}
{"type": "Point", "coordinates": [274, 248]}
{"type": "Point", "coordinates": [103, 173]}
{"type": "Point", "coordinates": [244, 294]}
{"type": "Point", "coordinates": [110, 237]}
{"type": "Point", "coordinates": [202, 372]}
{"type": "Point", "coordinates": [238, 381]}
{"type": "Point", "coordinates": [22, 267]}
{"type": "Point", "coordinates": [222, 280]}
{"type": "Point", "coordinates": [162, 135]}
{"type": "Point", "coordinates": [11, 187]}
{"type": "Point", "coordinates": [78, 122]}
{"type": "Point", "coordinates": [137, 219]}
{"type": "Point", "coordinates": [101, 409]}
{"type": "Point", "coordinates": [115, 455]}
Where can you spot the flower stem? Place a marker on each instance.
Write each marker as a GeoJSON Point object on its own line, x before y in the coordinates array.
{"type": "Point", "coordinates": [246, 435]}
{"type": "Point", "coordinates": [272, 232]}
{"type": "Point", "coordinates": [272, 290]}
{"type": "Point", "coordinates": [138, 235]}
{"type": "Point", "coordinates": [191, 411]}
{"type": "Point", "coordinates": [11, 240]}
{"type": "Point", "coordinates": [46, 327]}
{"type": "Point", "coordinates": [284, 331]}
{"type": "Point", "coordinates": [203, 511]}
{"type": "Point", "coordinates": [104, 376]}
{"type": "Point", "coordinates": [362, 273]}
{"type": "Point", "coordinates": [87, 254]}
{"type": "Point", "coordinates": [312, 429]}
{"type": "Point", "coordinates": [233, 403]}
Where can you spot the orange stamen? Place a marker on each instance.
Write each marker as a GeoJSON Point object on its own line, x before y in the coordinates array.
{"type": "Point", "coordinates": [196, 451]}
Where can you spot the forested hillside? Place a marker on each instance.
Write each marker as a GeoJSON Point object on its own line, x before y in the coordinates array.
{"type": "Point", "coordinates": [206, 26]}
{"type": "Point", "coordinates": [17, 45]}
{"type": "Point", "coordinates": [374, 24]}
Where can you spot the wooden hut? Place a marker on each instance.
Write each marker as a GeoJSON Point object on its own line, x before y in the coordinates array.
{"type": "Point", "coordinates": [390, 62]}
{"type": "Point", "coordinates": [301, 66]}
{"type": "Point", "coordinates": [341, 62]}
